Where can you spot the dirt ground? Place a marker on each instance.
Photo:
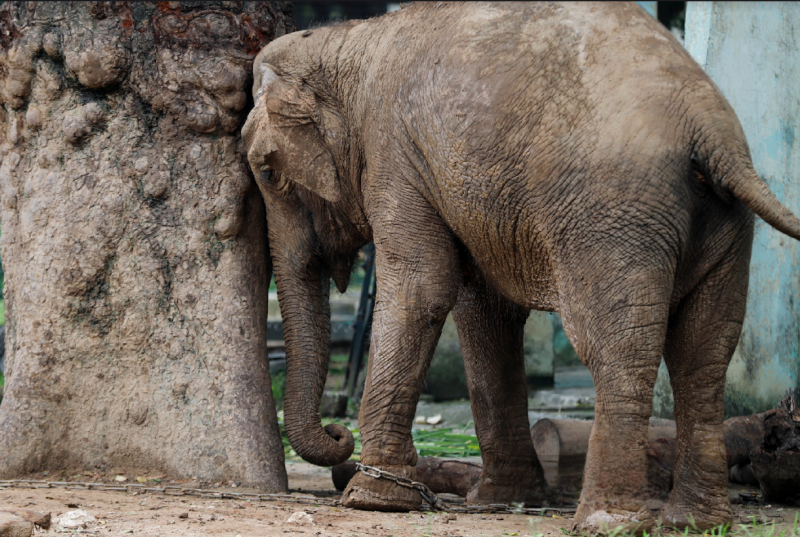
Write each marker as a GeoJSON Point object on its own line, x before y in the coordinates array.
{"type": "Point", "coordinates": [120, 513]}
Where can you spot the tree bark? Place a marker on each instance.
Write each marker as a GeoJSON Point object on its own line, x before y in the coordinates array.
{"type": "Point", "coordinates": [134, 241]}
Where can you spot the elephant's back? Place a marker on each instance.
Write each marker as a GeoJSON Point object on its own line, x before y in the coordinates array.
{"type": "Point", "coordinates": [526, 111]}
{"type": "Point", "coordinates": [529, 82]}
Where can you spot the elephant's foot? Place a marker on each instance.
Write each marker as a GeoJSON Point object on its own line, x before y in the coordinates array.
{"type": "Point", "coordinates": [521, 486]}
{"type": "Point", "coordinates": [615, 516]}
{"type": "Point", "coordinates": [697, 512]}
{"type": "Point", "coordinates": [381, 494]}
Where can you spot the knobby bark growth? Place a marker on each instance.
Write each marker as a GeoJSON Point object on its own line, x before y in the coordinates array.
{"type": "Point", "coordinates": [134, 240]}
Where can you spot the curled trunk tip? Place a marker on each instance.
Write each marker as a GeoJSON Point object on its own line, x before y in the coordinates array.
{"type": "Point", "coordinates": [344, 440]}
{"type": "Point", "coordinates": [326, 446]}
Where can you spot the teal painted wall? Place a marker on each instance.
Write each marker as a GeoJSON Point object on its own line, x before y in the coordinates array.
{"type": "Point", "coordinates": [750, 50]}
{"type": "Point", "coordinates": [650, 7]}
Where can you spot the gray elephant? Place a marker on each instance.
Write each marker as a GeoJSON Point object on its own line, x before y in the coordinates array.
{"type": "Point", "coordinates": [503, 158]}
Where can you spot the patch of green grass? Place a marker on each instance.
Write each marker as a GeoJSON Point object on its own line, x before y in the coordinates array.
{"type": "Point", "coordinates": [445, 443]}
{"type": "Point", "coordinates": [278, 386]}
{"type": "Point", "coordinates": [437, 443]}
{"type": "Point", "coordinates": [2, 322]}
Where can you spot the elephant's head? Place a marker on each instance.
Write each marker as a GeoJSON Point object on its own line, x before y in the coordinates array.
{"type": "Point", "coordinates": [282, 134]}
{"type": "Point", "coordinates": [293, 143]}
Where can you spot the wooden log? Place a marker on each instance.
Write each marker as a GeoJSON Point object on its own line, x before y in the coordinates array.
{"type": "Point", "coordinates": [776, 463]}
{"type": "Point", "coordinates": [561, 446]}
{"type": "Point", "coordinates": [742, 435]}
{"type": "Point", "coordinates": [455, 477]}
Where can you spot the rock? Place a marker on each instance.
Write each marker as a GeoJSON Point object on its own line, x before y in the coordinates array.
{"type": "Point", "coordinates": [449, 517]}
{"type": "Point", "coordinates": [37, 518]}
{"type": "Point", "coordinates": [74, 520]}
{"type": "Point", "coordinates": [12, 525]}
{"type": "Point", "coordinates": [434, 420]}
{"type": "Point", "coordinates": [120, 478]}
{"type": "Point", "coordinates": [183, 515]}
{"type": "Point", "coordinates": [605, 522]}
{"type": "Point", "coordinates": [301, 518]}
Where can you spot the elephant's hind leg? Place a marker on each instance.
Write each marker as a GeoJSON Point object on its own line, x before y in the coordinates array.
{"type": "Point", "coordinates": [618, 329]}
{"type": "Point", "coordinates": [417, 286]}
{"type": "Point", "coordinates": [702, 336]}
{"type": "Point", "coordinates": [491, 330]}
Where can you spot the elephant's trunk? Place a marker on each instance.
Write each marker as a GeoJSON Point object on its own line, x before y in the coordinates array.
{"type": "Point", "coordinates": [303, 287]}
{"type": "Point", "coordinates": [303, 284]}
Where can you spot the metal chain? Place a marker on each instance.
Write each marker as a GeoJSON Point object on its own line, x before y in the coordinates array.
{"type": "Point", "coordinates": [438, 504]}
{"type": "Point", "coordinates": [427, 494]}
{"type": "Point", "coordinates": [133, 488]}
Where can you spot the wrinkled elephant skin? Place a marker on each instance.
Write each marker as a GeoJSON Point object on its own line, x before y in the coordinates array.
{"type": "Point", "coordinates": [503, 158]}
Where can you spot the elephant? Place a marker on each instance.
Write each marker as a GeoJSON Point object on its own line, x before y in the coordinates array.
{"type": "Point", "coordinates": [505, 157]}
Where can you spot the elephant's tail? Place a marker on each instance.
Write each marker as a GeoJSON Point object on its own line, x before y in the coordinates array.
{"type": "Point", "coordinates": [720, 151]}
{"type": "Point", "coordinates": [750, 189]}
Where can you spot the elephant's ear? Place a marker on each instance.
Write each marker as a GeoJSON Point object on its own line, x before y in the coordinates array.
{"type": "Point", "coordinates": [290, 141]}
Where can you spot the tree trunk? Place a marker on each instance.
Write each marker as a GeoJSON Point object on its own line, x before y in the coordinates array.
{"type": "Point", "coordinates": [134, 241]}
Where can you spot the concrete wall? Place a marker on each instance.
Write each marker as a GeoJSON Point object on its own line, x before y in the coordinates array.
{"type": "Point", "coordinates": [750, 50]}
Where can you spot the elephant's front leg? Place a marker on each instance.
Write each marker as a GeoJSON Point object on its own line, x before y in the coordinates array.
{"type": "Point", "coordinates": [491, 333]}
{"type": "Point", "coordinates": [417, 287]}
